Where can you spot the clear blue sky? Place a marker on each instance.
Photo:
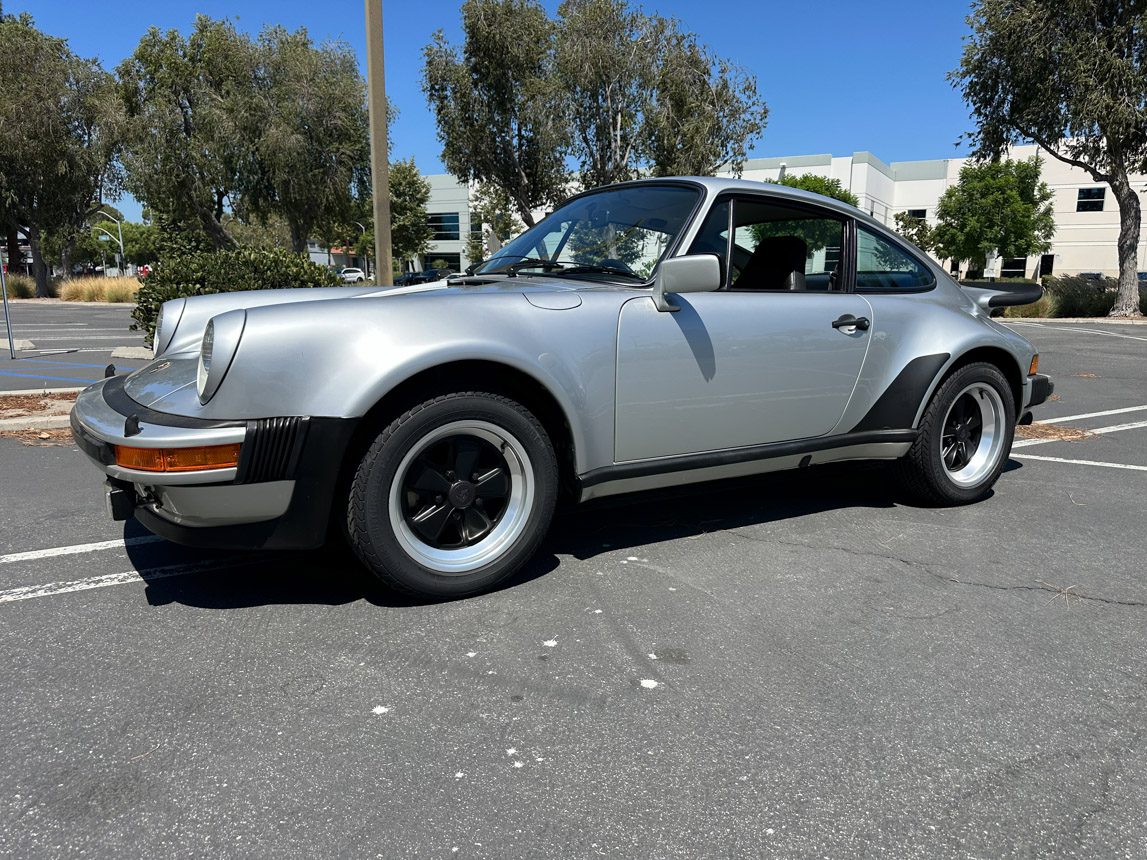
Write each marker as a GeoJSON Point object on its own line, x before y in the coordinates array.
{"type": "Point", "coordinates": [838, 75]}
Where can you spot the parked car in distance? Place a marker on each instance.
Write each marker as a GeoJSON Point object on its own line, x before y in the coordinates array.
{"type": "Point", "coordinates": [352, 275]}
{"type": "Point", "coordinates": [652, 333]}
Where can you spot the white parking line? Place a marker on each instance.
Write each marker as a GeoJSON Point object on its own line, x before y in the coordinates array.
{"type": "Point", "coordinates": [1092, 415]}
{"type": "Point", "coordinates": [76, 549]}
{"type": "Point", "coordinates": [51, 589]}
{"type": "Point", "coordinates": [1114, 428]}
{"type": "Point", "coordinates": [1083, 330]}
{"type": "Point", "coordinates": [1081, 462]}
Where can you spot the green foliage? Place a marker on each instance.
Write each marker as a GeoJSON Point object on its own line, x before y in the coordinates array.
{"type": "Point", "coordinates": [204, 272]}
{"type": "Point", "coordinates": [703, 111]}
{"type": "Point", "coordinates": [1072, 77]}
{"type": "Point", "coordinates": [915, 230]}
{"type": "Point", "coordinates": [225, 127]}
{"type": "Point", "coordinates": [819, 185]}
{"type": "Point", "coordinates": [189, 138]}
{"type": "Point", "coordinates": [999, 206]}
{"type": "Point", "coordinates": [642, 95]}
{"type": "Point", "coordinates": [312, 147]}
{"type": "Point", "coordinates": [20, 286]}
{"type": "Point", "coordinates": [624, 92]}
{"type": "Point", "coordinates": [1070, 296]}
{"type": "Point", "coordinates": [60, 128]}
{"type": "Point", "coordinates": [409, 227]}
{"type": "Point", "coordinates": [492, 213]}
{"type": "Point", "coordinates": [816, 232]}
{"type": "Point", "coordinates": [494, 102]}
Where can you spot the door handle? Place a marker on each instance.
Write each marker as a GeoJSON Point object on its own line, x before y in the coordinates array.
{"type": "Point", "coordinates": [849, 321]}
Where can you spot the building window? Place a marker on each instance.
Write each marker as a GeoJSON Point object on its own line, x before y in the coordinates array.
{"type": "Point", "coordinates": [917, 214]}
{"type": "Point", "coordinates": [1090, 200]}
{"type": "Point", "coordinates": [444, 227]}
{"type": "Point", "coordinates": [451, 262]}
{"type": "Point", "coordinates": [1014, 268]}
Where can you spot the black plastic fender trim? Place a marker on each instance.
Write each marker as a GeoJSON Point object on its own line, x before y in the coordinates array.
{"type": "Point", "coordinates": [898, 405]}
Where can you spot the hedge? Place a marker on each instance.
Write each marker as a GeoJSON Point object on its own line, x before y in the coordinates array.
{"type": "Point", "coordinates": [198, 273]}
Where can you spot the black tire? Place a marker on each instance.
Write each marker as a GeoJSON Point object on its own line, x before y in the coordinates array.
{"type": "Point", "coordinates": [935, 472]}
{"type": "Point", "coordinates": [389, 504]}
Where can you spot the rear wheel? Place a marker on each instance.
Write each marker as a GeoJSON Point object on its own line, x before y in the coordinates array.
{"type": "Point", "coordinates": [965, 438]}
{"type": "Point", "coordinates": [454, 495]}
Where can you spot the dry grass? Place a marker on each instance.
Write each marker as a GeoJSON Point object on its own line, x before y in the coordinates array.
{"type": "Point", "coordinates": [24, 405]}
{"type": "Point", "coordinates": [96, 288]}
{"type": "Point", "coordinates": [1059, 432]}
{"type": "Point", "coordinates": [45, 438]}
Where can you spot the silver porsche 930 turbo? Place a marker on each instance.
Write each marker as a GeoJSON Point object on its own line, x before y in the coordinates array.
{"type": "Point", "coordinates": [652, 333]}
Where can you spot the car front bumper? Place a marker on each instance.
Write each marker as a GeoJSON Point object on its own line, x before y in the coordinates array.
{"type": "Point", "coordinates": [278, 496]}
{"type": "Point", "coordinates": [1041, 389]}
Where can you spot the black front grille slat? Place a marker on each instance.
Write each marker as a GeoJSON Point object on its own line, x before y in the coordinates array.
{"type": "Point", "coordinates": [271, 449]}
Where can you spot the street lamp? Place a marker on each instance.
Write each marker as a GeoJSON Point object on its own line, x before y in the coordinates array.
{"type": "Point", "coordinates": [119, 228]}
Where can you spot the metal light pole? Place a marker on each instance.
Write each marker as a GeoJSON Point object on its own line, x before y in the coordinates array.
{"type": "Point", "coordinates": [119, 228]}
{"type": "Point", "coordinates": [7, 313]}
{"type": "Point", "coordinates": [379, 166]}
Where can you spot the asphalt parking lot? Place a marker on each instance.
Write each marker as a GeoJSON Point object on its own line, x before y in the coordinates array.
{"type": "Point", "coordinates": [62, 345]}
{"type": "Point", "coordinates": [789, 666]}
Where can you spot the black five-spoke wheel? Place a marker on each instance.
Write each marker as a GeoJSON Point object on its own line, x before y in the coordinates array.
{"type": "Point", "coordinates": [456, 491]}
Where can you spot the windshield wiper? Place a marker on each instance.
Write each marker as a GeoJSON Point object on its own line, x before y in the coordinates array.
{"type": "Point", "coordinates": [532, 263]}
{"type": "Point", "coordinates": [586, 268]}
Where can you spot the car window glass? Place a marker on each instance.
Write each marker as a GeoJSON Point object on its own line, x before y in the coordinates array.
{"type": "Point", "coordinates": [781, 248]}
{"type": "Point", "coordinates": [713, 237]}
{"type": "Point", "coordinates": [881, 265]}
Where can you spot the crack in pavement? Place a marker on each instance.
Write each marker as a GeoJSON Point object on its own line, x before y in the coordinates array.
{"type": "Point", "coordinates": [1068, 592]}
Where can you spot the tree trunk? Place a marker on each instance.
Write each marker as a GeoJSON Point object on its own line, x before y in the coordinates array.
{"type": "Point", "coordinates": [39, 266]}
{"type": "Point", "coordinates": [298, 238]}
{"type": "Point", "coordinates": [1127, 302]}
{"type": "Point", "coordinates": [15, 258]}
{"type": "Point", "coordinates": [219, 237]}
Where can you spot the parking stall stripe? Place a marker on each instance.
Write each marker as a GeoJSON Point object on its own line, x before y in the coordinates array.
{"type": "Point", "coordinates": [1083, 330]}
{"type": "Point", "coordinates": [1092, 415]}
{"type": "Point", "coordinates": [76, 549]}
{"type": "Point", "coordinates": [1114, 428]}
{"type": "Point", "coordinates": [52, 378]}
{"type": "Point", "coordinates": [1081, 462]}
{"type": "Point", "coordinates": [52, 589]}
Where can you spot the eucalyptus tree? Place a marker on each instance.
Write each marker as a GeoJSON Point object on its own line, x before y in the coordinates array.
{"type": "Point", "coordinates": [1071, 76]}
{"type": "Point", "coordinates": [308, 121]}
{"type": "Point", "coordinates": [496, 104]}
{"type": "Point", "coordinates": [189, 145]}
{"type": "Point", "coordinates": [58, 140]}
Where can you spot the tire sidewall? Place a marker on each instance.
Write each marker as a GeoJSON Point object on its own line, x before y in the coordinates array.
{"type": "Point", "coordinates": [940, 406]}
{"type": "Point", "coordinates": [372, 533]}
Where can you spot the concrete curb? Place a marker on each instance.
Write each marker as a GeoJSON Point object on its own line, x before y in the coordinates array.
{"type": "Point", "coordinates": [33, 422]}
{"type": "Point", "coordinates": [16, 392]}
{"type": "Point", "coordinates": [62, 303]}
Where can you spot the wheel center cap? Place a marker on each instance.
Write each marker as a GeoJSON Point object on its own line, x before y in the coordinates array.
{"type": "Point", "coordinates": [462, 494]}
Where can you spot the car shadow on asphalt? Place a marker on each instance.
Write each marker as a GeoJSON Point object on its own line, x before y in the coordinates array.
{"type": "Point", "coordinates": [333, 576]}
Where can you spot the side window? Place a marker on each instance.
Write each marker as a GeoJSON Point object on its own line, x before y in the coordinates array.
{"type": "Point", "coordinates": [882, 266]}
{"type": "Point", "coordinates": [782, 248]}
{"type": "Point", "coordinates": [713, 238]}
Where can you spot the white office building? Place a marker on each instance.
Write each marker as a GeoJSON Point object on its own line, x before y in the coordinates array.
{"type": "Point", "coordinates": [1086, 214]}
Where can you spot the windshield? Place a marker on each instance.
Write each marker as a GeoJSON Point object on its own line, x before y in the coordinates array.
{"type": "Point", "coordinates": [619, 232]}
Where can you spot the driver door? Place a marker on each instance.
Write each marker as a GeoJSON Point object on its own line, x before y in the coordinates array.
{"type": "Point", "coordinates": [759, 361]}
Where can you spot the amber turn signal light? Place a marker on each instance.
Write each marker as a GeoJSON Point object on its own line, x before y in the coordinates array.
{"type": "Point", "coordinates": [1034, 368]}
{"type": "Point", "coordinates": [177, 459]}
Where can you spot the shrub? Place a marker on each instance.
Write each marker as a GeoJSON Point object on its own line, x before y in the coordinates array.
{"type": "Point", "coordinates": [1074, 296]}
{"type": "Point", "coordinates": [20, 286]}
{"type": "Point", "coordinates": [197, 273]}
{"type": "Point", "coordinates": [96, 288]}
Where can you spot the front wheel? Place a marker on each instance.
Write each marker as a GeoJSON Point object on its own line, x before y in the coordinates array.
{"type": "Point", "coordinates": [454, 495]}
{"type": "Point", "coordinates": [965, 438]}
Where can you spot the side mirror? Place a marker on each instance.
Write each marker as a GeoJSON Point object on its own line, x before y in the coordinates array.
{"type": "Point", "coordinates": [697, 273]}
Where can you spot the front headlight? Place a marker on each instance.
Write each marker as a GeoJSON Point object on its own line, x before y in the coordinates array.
{"type": "Point", "coordinates": [216, 352]}
{"type": "Point", "coordinates": [170, 313]}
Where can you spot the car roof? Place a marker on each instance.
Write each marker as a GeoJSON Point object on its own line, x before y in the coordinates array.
{"type": "Point", "coordinates": [714, 185]}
